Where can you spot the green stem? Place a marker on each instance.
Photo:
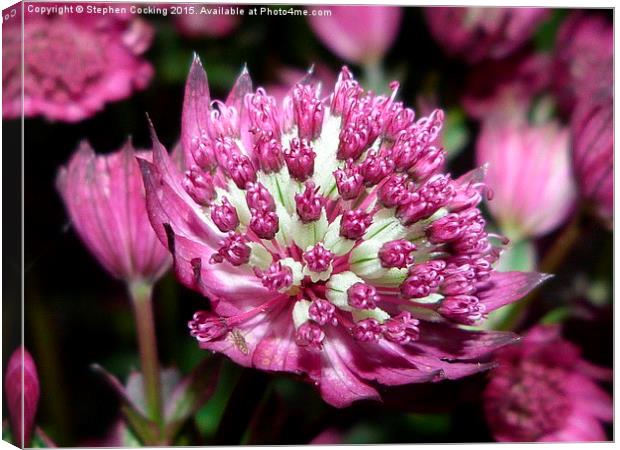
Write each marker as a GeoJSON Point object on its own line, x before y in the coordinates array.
{"type": "Point", "coordinates": [374, 76]}
{"type": "Point", "coordinates": [551, 262]}
{"type": "Point", "coordinates": [140, 294]}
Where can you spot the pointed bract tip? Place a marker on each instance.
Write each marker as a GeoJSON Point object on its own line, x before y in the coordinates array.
{"type": "Point", "coordinates": [196, 59]}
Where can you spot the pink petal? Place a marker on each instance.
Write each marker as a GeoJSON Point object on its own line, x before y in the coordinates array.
{"type": "Point", "coordinates": [503, 288]}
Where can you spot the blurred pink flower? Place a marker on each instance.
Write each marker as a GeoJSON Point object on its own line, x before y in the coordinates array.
{"type": "Point", "coordinates": [357, 34]}
{"type": "Point", "coordinates": [73, 64]}
{"type": "Point", "coordinates": [583, 59]}
{"type": "Point", "coordinates": [201, 25]}
{"type": "Point", "coordinates": [21, 384]}
{"type": "Point", "coordinates": [475, 34]}
{"type": "Point", "coordinates": [104, 196]}
{"type": "Point", "coordinates": [297, 223]}
{"type": "Point", "coordinates": [542, 390]}
{"type": "Point", "coordinates": [505, 87]}
{"type": "Point", "coordinates": [529, 173]}
{"type": "Point", "coordinates": [593, 154]}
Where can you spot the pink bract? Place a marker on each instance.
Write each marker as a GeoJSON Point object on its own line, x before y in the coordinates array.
{"type": "Point", "coordinates": [542, 390]}
{"type": "Point", "coordinates": [284, 302]}
{"type": "Point", "coordinates": [529, 172]}
{"type": "Point", "coordinates": [73, 64]}
{"type": "Point", "coordinates": [475, 34]}
{"type": "Point", "coordinates": [21, 387]}
{"type": "Point", "coordinates": [358, 34]}
{"type": "Point", "coordinates": [105, 199]}
{"type": "Point", "coordinates": [593, 154]}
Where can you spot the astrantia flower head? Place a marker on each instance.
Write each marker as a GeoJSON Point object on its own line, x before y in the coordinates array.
{"type": "Point", "coordinates": [353, 259]}
{"type": "Point", "coordinates": [73, 64]}
{"type": "Point", "coordinates": [475, 34]}
{"type": "Point", "coordinates": [104, 196]}
{"type": "Point", "coordinates": [542, 390]}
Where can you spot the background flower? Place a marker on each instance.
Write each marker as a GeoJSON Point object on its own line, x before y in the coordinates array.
{"type": "Point", "coordinates": [73, 64]}
{"type": "Point", "coordinates": [104, 197]}
{"type": "Point", "coordinates": [21, 387]}
{"type": "Point", "coordinates": [529, 171]}
{"type": "Point", "coordinates": [542, 390]}
{"type": "Point", "coordinates": [475, 34]}
{"type": "Point", "coordinates": [358, 35]}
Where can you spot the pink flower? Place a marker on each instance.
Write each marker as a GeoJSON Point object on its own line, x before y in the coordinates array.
{"type": "Point", "coordinates": [73, 64]}
{"type": "Point", "coordinates": [209, 25]}
{"type": "Point", "coordinates": [593, 154]}
{"type": "Point", "coordinates": [476, 34]}
{"type": "Point", "coordinates": [583, 59]}
{"type": "Point", "coordinates": [542, 390]}
{"type": "Point", "coordinates": [358, 34]}
{"type": "Point", "coordinates": [529, 173]}
{"type": "Point", "coordinates": [21, 384]}
{"type": "Point", "coordinates": [315, 297]}
{"type": "Point", "coordinates": [104, 196]}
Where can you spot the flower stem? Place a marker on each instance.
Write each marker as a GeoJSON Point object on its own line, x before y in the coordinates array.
{"type": "Point", "coordinates": [140, 293]}
{"type": "Point", "coordinates": [374, 76]}
{"type": "Point", "coordinates": [551, 262]}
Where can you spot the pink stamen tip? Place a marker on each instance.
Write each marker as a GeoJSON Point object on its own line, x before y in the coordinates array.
{"type": "Point", "coordinates": [423, 279]}
{"type": "Point", "coordinates": [309, 204]}
{"type": "Point", "coordinates": [223, 121]}
{"type": "Point", "coordinates": [464, 309]}
{"type": "Point", "coordinates": [397, 254]}
{"type": "Point", "coordinates": [459, 279]}
{"type": "Point", "coordinates": [310, 335]}
{"type": "Point", "coordinates": [318, 258]}
{"type": "Point", "coordinates": [233, 249]}
{"type": "Point", "coordinates": [308, 111]}
{"type": "Point", "coordinates": [393, 191]}
{"type": "Point", "coordinates": [199, 186]}
{"type": "Point", "coordinates": [424, 202]}
{"type": "Point", "coordinates": [259, 198]}
{"type": "Point", "coordinates": [402, 328]}
{"type": "Point", "coordinates": [206, 326]}
{"type": "Point", "coordinates": [299, 159]}
{"type": "Point", "coordinates": [264, 223]}
{"type": "Point", "coordinates": [268, 151]}
{"type": "Point", "coordinates": [241, 170]}
{"type": "Point", "coordinates": [354, 223]}
{"type": "Point", "coordinates": [203, 153]}
{"type": "Point", "coordinates": [263, 112]}
{"type": "Point", "coordinates": [367, 330]}
{"type": "Point", "coordinates": [277, 277]}
{"type": "Point", "coordinates": [323, 312]}
{"type": "Point", "coordinates": [349, 181]}
{"type": "Point", "coordinates": [225, 216]}
{"type": "Point", "coordinates": [375, 168]}
{"type": "Point", "coordinates": [362, 296]}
